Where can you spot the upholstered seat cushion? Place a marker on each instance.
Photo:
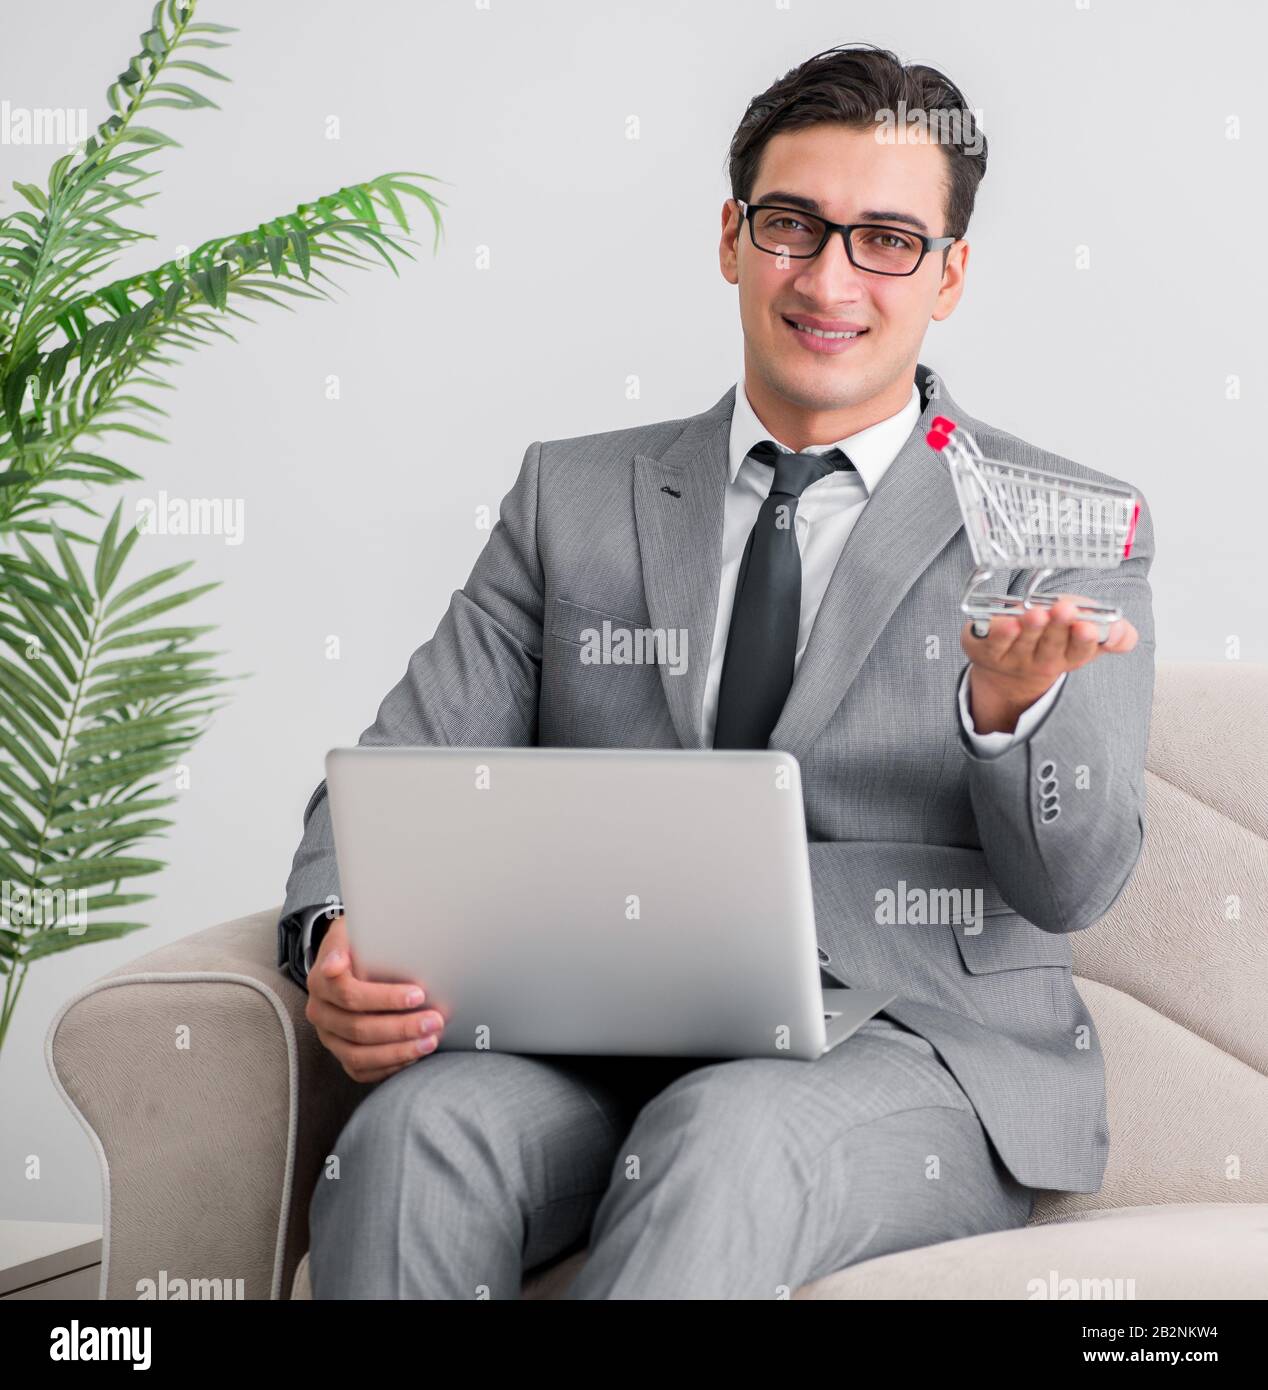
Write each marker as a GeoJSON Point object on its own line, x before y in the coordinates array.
{"type": "Point", "coordinates": [1172, 1250]}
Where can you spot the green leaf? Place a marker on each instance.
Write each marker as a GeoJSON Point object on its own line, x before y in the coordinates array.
{"type": "Point", "coordinates": [18, 752]}
{"type": "Point", "coordinates": [299, 241]}
{"type": "Point", "coordinates": [31, 739]}
{"type": "Point", "coordinates": [108, 834]}
{"type": "Point", "coordinates": [51, 641]}
{"type": "Point", "coordinates": [188, 94]}
{"type": "Point", "coordinates": [100, 469]}
{"type": "Point", "coordinates": [81, 873]}
{"type": "Point", "coordinates": [103, 900]}
{"type": "Point", "coordinates": [32, 194]}
{"type": "Point", "coordinates": [71, 566]}
{"type": "Point", "coordinates": [105, 553]}
{"type": "Point", "coordinates": [145, 135]}
{"type": "Point", "coordinates": [156, 634]}
{"type": "Point", "coordinates": [18, 643]}
{"type": "Point", "coordinates": [152, 610]}
{"type": "Point", "coordinates": [192, 66]}
{"type": "Point", "coordinates": [118, 773]}
{"type": "Point", "coordinates": [143, 586]}
{"type": "Point", "coordinates": [94, 815]}
{"type": "Point", "coordinates": [59, 939]}
{"type": "Point", "coordinates": [31, 698]}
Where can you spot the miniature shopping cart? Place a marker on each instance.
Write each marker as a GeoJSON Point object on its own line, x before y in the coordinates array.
{"type": "Point", "coordinates": [1030, 518]}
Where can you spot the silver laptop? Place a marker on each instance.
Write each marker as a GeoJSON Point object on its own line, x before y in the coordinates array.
{"type": "Point", "coordinates": [590, 901]}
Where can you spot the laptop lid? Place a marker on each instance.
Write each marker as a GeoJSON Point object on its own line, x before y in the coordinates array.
{"type": "Point", "coordinates": [566, 900]}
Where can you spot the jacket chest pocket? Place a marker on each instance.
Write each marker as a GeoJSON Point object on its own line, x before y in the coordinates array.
{"type": "Point", "coordinates": [582, 626]}
{"type": "Point", "coordinates": [1002, 940]}
{"type": "Point", "coordinates": [601, 681]}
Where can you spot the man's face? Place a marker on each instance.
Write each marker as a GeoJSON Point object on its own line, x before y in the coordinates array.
{"type": "Point", "coordinates": [853, 178]}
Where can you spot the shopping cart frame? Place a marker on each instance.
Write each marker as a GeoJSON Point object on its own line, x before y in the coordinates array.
{"type": "Point", "coordinates": [985, 514]}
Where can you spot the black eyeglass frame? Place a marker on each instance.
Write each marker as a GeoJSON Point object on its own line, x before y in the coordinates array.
{"type": "Point", "coordinates": [927, 243]}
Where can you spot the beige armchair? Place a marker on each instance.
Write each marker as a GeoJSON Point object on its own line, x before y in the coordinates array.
{"type": "Point", "coordinates": [211, 1105]}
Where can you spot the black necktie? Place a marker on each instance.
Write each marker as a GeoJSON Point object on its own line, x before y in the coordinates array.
{"type": "Point", "coordinates": [761, 645]}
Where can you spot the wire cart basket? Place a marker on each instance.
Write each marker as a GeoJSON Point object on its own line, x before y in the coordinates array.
{"type": "Point", "coordinates": [1030, 518]}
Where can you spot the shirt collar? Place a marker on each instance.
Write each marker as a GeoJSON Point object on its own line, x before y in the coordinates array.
{"type": "Point", "coordinates": [871, 451]}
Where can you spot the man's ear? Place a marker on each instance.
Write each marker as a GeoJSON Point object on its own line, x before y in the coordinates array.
{"type": "Point", "coordinates": [729, 245]}
{"type": "Point", "coordinates": [952, 287]}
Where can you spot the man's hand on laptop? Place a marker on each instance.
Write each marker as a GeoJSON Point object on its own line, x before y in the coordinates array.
{"type": "Point", "coordinates": [1020, 658]}
{"type": "Point", "coordinates": [373, 1029]}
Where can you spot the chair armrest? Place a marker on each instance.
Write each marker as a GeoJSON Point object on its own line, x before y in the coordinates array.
{"type": "Point", "coordinates": [211, 1105]}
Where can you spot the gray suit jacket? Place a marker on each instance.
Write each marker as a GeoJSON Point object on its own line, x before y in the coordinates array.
{"type": "Point", "coordinates": [627, 525]}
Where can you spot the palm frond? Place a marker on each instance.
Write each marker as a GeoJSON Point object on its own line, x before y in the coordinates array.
{"type": "Point", "coordinates": [48, 253]}
{"type": "Point", "coordinates": [82, 389]}
{"type": "Point", "coordinates": [99, 701]}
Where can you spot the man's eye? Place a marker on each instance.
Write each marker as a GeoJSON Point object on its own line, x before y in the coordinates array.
{"type": "Point", "coordinates": [890, 241]}
{"type": "Point", "coordinates": [778, 220]}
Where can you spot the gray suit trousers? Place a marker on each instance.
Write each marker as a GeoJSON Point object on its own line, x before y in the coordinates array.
{"type": "Point", "coordinates": [687, 1178]}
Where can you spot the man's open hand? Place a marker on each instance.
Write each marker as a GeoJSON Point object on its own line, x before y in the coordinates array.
{"type": "Point", "coordinates": [373, 1029]}
{"type": "Point", "coordinates": [1020, 658]}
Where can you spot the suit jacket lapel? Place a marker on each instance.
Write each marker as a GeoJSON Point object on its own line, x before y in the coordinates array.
{"type": "Point", "coordinates": [905, 524]}
{"type": "Point", "coordinates": [680, 544]}
{"type": "Point", "coordinates": [907, 521]}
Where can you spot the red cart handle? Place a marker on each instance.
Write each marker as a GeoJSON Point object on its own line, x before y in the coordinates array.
{"type": "Point", "coordinates": [939, 436]}
{"type": "Point", "coordinates": [1131, 532]}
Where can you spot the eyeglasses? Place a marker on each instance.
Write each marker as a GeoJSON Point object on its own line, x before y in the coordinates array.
{"type": "Point", "coordinates": [870, 246]}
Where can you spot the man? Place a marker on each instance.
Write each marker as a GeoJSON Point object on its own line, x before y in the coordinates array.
{"type": "Point", "coordinates": [800, 525]}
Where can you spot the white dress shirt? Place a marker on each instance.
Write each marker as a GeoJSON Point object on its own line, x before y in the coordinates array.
{"type": "Point", "coordinates": [823, 521]}
{"type": "Point", "coordinates": [825, 516]}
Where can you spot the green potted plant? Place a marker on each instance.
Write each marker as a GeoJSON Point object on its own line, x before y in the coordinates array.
{"type": "Point", "coordinates": [102, 684]}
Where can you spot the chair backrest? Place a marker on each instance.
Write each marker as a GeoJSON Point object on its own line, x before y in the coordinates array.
{"type": "Point", "coordinates": [1176, 973]}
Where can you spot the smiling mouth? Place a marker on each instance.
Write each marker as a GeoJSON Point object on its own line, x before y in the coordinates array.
{"type": "Point", "coordinates": [821, 333]}
{"type": "Point", "coordinates": [824, 342]}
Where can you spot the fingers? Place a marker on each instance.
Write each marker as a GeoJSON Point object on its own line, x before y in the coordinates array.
{"type": "Point", "coordinates": [1041, 643]}
{"type": "Point", "coordinates": [1046, 640]}
{"type": "Point", "coordinates": [370, 1046]}
{"type": "Point", "coordinates": [994, 647]}
{"type": "Point", "coordinates": [333, 980]}
{"type": "Point", "coordinates": [367, 1029]}
{"type": "Point", "coordinates": [1122, 637]}
{"type": "Point", "coordinates": [1008, 642]}
{"type": "Point", "coordinates": [1083, 644]}
{"type": "Point", "coordinates": [372, 1028]}
{"type": "Point", "coordinates": [1053, 649]}
{"type": "Point", "coordinates": [1085, 635]}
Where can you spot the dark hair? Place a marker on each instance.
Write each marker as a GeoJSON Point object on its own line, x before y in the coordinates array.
{"type": "Point", "coordinates": [855, 85]}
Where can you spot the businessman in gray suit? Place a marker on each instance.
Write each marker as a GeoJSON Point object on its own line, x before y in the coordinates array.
{"type": "Point", "coordinates": [807, 542]}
